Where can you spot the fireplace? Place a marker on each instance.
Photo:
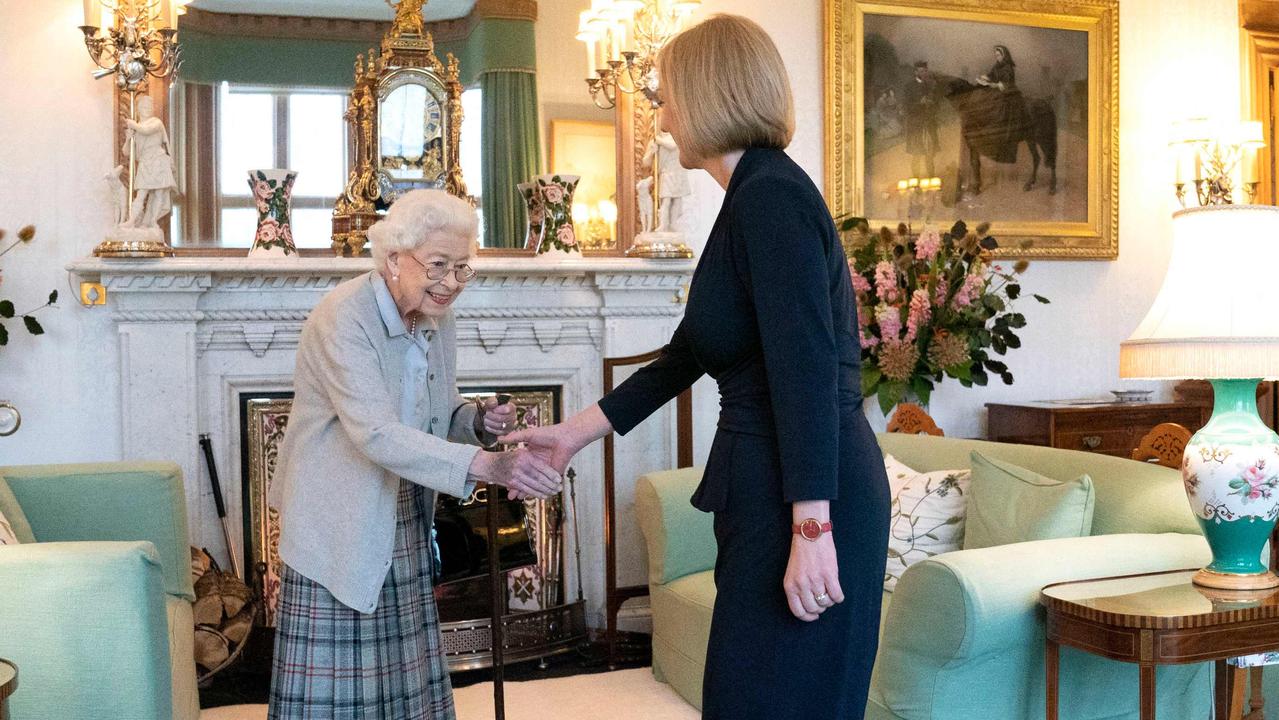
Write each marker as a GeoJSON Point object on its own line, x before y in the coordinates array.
{"type": "Point", "coordinates": [540, 617]}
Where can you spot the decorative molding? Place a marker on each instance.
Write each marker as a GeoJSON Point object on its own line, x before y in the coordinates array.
{"type": "Point", "coordinates": [157, 316]}
{"type": "Point", "coordinates": [653, 281]}
{"type": "Point", "coordinates": [524, 313]}
{"type": "Point", "coordinates": [168, 316]}
{"type": "Point", "coordinates": [256, 337]}
{"type": "Point", "coordinates": [543, 335]}
{"type": "Point", "coordinates": [145, 282]}
{"type": "Point", "coordinates": [674, 310]}
{"type": "Point", "coordinates": [279, 282]}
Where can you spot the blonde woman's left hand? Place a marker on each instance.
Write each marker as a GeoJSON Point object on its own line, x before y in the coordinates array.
{"type": "Point", "coordinates": [499, 419]}
{"type": "Point", "coordinates": [811, 582]}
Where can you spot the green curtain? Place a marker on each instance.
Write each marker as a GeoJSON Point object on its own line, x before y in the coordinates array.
{"type": "Point", "coordinates": [494, 43]}
{"type": "Point", "coordinates": [510, 154]}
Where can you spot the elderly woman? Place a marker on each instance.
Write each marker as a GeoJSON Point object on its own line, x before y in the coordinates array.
{"type": "Point", "coordinates": [795, 477]}
{"type": "Point", "coordinates": [377, 429]}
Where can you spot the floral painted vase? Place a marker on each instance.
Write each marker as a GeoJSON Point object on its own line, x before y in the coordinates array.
{"type": "Point", "coordinates": [557, 202]}
{"type": "Point", "coordinates": [272, 191]}
{"type": "Point", "coordinates": [1231, 473]}
{"type": "Point", "coordinates": [536, 210]}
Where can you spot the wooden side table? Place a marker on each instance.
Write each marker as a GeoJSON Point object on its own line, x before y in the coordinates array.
{"type": "Point", "coordinates": [1110, 428]}
{"type": "Point", "coordinates": [1158, 619]}
{"type": "Point", "coordinates": [8, 683]}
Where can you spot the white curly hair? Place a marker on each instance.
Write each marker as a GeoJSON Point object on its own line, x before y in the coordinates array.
{"type": "Point", "coordinates": [418, 216]}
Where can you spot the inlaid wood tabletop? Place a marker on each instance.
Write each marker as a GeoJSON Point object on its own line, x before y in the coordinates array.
{"type": "Point", "coordinates": [1158, 619]}
{"type": "Point", "coordinates": [8, 683]}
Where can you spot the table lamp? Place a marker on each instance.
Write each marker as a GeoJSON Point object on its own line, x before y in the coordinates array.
{"type": "Point", "coordinates": [1210, 321]}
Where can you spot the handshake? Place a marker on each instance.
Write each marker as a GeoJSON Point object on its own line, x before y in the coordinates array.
{"type": "Point", "coordinates": [533, 470]}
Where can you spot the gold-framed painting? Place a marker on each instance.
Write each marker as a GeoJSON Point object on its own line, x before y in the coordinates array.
{"type": "Point", "coordinates": [1000, 111]}
{"type": "Point", "coordinates": [588, 148]}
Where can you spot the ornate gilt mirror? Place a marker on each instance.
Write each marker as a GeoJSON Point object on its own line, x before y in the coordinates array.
{"type": "Point", "coordinates": [405, 116]}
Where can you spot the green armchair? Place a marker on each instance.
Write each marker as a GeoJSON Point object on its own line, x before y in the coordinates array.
{"type": "Point", "coordinates": [961, 637]}
{"type": "Point", "coordinates": [96, 613]}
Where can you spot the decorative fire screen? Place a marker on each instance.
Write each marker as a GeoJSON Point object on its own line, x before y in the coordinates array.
{"type": "Point", "coordinates": [535, 593]}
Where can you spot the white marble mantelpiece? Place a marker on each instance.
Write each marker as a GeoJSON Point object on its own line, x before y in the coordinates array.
{"type": "Point", "coordinates": [195, 333]}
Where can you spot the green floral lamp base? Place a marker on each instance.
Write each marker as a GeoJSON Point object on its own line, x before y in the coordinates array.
{"type": "Point", "coordinates": [1231, 471]}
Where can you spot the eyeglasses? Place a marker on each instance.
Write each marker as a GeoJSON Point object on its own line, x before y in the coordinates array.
{"type": "Point", "coordinates": [438, 270]}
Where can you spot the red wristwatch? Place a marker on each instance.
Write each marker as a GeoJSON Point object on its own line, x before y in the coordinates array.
{"type": "Point", "coordinates": [810, 529]}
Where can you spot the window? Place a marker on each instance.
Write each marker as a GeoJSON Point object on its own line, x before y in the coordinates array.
{"type": "Point", "coordinates": [468, 151]}
{"type": "Point", "coordinates": [296, 128]}
{"type": "Point", "coordinates": [302, 130]}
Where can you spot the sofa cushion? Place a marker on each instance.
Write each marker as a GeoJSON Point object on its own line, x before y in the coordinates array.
{"type": "Point", "coordinates": [679, 537]}
{"type": "Point", "coordinates": [682, 612]}
{"type": "Point", "coordinates": [14, 527]}
{"type": "Point", "coordinates": [186, 698]}
{"type": "Point", "coordinates": [1132, 497]}
{"type": "Point", "coordinates": [926, 516]}
{"type": "Point", "coordinates": [1009, 504]}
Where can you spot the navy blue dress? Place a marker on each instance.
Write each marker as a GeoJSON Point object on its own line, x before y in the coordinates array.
{"type": "Point", "coordinates": [771, 316]}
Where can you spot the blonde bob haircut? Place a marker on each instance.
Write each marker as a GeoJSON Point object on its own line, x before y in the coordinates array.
{"type": "Point", "coordinates": [728, 87]}
{"type": "Point", "coordinates": [416, 219]}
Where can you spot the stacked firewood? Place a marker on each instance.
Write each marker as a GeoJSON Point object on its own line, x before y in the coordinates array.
{"type": "Point", "coordinates": [224, 612]}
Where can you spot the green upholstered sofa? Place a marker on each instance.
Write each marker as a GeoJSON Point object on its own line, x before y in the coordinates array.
{"type": "Point", "coordinates": [962, 636]}
{"type": "Point", "coordinates": [96, 613]}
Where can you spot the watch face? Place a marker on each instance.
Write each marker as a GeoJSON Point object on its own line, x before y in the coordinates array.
{"type": "Point", "coordinates": [810, 529]}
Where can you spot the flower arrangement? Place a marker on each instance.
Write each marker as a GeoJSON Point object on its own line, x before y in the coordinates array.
{"type": "Point", "coordinates": [25, 235]}
{"type": "Point", "coordinates": [929, 306]}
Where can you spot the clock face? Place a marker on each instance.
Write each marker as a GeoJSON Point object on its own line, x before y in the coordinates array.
{"type": "Point", "coordinates": [433, 119]}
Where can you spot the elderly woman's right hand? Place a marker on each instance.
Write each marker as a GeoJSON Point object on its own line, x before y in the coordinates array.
{"type": "Point", "coordinates": [520, 471]}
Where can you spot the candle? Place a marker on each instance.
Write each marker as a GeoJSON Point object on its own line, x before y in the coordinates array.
{"type": "Point", "coordinates": [92, 13]}
{"type": "Point", "coordinates": [590, 57]}
{"type": "Point", "coordinates": [169, 13]}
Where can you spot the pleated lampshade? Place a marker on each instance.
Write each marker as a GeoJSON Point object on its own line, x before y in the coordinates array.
{"type": "Point", "coordinates": [1215, 316]}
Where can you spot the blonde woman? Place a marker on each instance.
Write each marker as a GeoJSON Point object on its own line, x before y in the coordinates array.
{"type": "Point", "coordinates": [795, 477]}
{"type": "Point", "coordinates": [377, 429]}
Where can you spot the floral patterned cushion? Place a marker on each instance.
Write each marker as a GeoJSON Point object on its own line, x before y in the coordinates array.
{"type": "Point", "coordinates": [927, 516]}
{"type": "Point", "coordinates": [7, 536]}
{"type": "Point", "coordinates": [13, 522]}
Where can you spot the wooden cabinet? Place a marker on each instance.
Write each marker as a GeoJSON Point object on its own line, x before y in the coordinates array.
{"type": "Point", "coordinates": [1101, 427]}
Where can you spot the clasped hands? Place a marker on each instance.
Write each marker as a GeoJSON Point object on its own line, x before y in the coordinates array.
{"type": "Point", "coordinates": [553, 445]}
{"type": "Point", "coordinates": [522, 472]}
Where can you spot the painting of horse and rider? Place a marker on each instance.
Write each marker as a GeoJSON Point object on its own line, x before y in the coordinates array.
{"type": "Point", "coordinates": [998, 111]}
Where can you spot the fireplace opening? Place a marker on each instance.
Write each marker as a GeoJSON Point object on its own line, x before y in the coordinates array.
{"type": "Point", "coordinates": [540, 618]}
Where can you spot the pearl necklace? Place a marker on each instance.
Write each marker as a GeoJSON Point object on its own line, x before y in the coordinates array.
{"type": "Point", "coordinates": [413, 325]}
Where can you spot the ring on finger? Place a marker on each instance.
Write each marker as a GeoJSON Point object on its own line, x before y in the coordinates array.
{"type": "Point", "coordinates": [823, 597]}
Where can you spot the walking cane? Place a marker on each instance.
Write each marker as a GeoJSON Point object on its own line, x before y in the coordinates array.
{"type": "Point", "coordinates": [498, 591]}
{"type": "Point", "coordinates": [207, 447]}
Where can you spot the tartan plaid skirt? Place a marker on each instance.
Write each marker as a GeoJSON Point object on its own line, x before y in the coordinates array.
{"type": "Point", "coordinates": [332, 662]}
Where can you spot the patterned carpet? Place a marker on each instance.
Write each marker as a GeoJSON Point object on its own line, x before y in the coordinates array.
{"type": "Point", "coordinates": [628, 695]}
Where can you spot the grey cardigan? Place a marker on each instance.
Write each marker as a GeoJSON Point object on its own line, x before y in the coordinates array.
{"type": "Point", "coordinates": [346, 449]}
